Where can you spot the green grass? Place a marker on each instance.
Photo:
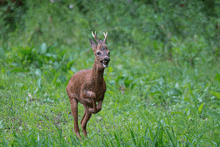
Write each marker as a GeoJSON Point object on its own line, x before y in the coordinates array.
{"type": "Point", "coordinates": [163, 81]}
{"type": "Point", "coordinates": [147, 103]}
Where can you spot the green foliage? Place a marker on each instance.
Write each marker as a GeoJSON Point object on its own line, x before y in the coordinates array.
{"type": "Point", "coordinates": [179, 31]}
{"type": "Point", "coordinates": [162, 82]}
{"type": "Point", "coordinates": [146, 105]}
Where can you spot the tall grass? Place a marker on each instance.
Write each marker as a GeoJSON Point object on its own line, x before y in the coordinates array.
{"type": "Point", "coordinates": [162, 82]}
{"type": "Point", "coordinates": [147, 103]}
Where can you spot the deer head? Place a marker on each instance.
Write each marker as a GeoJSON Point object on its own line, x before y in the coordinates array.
{"type": "Point", "coordinates": [102, 54]}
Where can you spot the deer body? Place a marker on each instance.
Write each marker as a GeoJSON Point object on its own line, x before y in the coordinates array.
{"type": "Point", "coordinates": [88, 86]}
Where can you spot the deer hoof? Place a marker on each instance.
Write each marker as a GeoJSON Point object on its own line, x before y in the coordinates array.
{"type": "Point", "coordinates": [78, 135]}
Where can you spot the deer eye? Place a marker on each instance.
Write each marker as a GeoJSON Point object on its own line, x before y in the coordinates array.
{"type": "Point", "coordinates": [98, 53]}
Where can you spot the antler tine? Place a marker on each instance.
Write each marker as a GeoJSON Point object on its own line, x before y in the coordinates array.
{"type": "Point", "coordinates": [94, 36]}
{"type": "Point", "coordinates": [105, 34]}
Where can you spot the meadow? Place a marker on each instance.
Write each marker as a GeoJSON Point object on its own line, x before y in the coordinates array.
{"type": "Point", "coordinates": [161, 91]}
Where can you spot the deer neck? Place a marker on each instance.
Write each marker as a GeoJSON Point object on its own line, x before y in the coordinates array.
{"type": "Point", "coordinates": [97, 73]}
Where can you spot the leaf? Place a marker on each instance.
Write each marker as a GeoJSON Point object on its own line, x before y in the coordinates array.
{"type": "Point", "coordinates": [156, 93]}
{"type": "Point", "coordinates": [117, 140]}
{"type": "Point", "coordinates": [39, 83]}
{"type": "Point", "coordinates": [200, 108]}
{"type": "Point", "coordinates": [216, 94]}
{"type": "Point", "coordinates": [18, 69]}
{"type": "Point", "coordinates": [55, 78]}
{"type": "Point", "coordinates": [43, 48]}
{"type": "Point", "coordinates": [51, 55]}
{"type": "Point", "coordinates": [127, 82]}
{"type": "Point", "coordinates": [132, 136]}
{"type": "Point", "coordinates": [217, 77]}
{"type": "Point", "coordinates": [69, 64]}
{"type": "Point", "coordinates": [119, 78]}
{"type": "Point", "coordinates": [70, 72]}
{"type": "Point", "coordinates": [38, 72]}
{"type": "Point", "coordinates": [174, 92]}
{"type": "Point", "coordinates": [170, 137]}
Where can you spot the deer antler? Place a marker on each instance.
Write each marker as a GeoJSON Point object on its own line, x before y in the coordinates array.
{"type": "Point", "coordinates": [105, 34]}
{"type": "Point", "coordinates": [94, 36]}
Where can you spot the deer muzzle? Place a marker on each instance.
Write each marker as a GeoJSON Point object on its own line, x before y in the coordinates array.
{"type": "Point", "coordinates": [105, 62]}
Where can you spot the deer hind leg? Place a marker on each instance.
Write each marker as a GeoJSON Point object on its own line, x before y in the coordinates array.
{"type": "Point", "coordinates": [87, 115]}
{"type": "Point", "coordinates": [83, 117]}
{"type": "Point", "coordinates": [74, 109]}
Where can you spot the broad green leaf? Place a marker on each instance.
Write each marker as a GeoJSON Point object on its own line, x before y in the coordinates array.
{"type": "Point", "coordinates": [217, 77]}
{"type": "Point", "coordinates": [216, 94]}
{"type": "Point", "coordinates": [127, 82]}
{"type": "Point", "coordinates": [70, 72]}
{"type": "Point", "coordinates": [43, 48]}
{"type": "Point", "coordinates": [200, 108]}
{"type": "Point", "coordinates": [118, 78]}
{"type": "Point", "coordinates": [174, 92]}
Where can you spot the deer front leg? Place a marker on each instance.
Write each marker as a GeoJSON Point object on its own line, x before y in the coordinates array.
{"type": "Point", "coordinates": [87, 115]}
{"type": "Point", "coordinates": [92, 95]}
{"type": "Point", "coordinates": [99, 107]}
{"type": "Point", "coordinates": [74, 109]}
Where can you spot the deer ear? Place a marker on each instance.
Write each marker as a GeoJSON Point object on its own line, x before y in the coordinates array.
{"type": "Point", "coordinates": [93, 44]}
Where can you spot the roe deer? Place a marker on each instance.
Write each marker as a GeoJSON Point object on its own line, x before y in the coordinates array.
{"type": "Point", "coordinates": [88, 86]}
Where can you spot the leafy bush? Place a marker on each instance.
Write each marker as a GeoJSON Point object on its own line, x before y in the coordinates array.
{"type": "Point", "coordinates": [136, 23]}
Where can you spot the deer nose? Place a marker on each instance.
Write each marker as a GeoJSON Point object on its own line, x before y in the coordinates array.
{"type": "Point", "coordinates": [106, 59]}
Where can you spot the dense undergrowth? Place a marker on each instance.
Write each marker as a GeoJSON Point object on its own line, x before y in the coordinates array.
{"type": "Point", "coordinates": [147, 102]}
{"type": "Point", "coordinates": [162, 82]}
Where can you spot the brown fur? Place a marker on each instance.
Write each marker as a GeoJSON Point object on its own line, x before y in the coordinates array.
{"type": "Point", "coordinates": [88, 86]}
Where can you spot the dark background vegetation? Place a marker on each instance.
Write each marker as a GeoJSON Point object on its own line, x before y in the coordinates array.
{"type": "Point", "coordinates": [151, 27]}
{"type": "Point", "coordinates": [164, 55]}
